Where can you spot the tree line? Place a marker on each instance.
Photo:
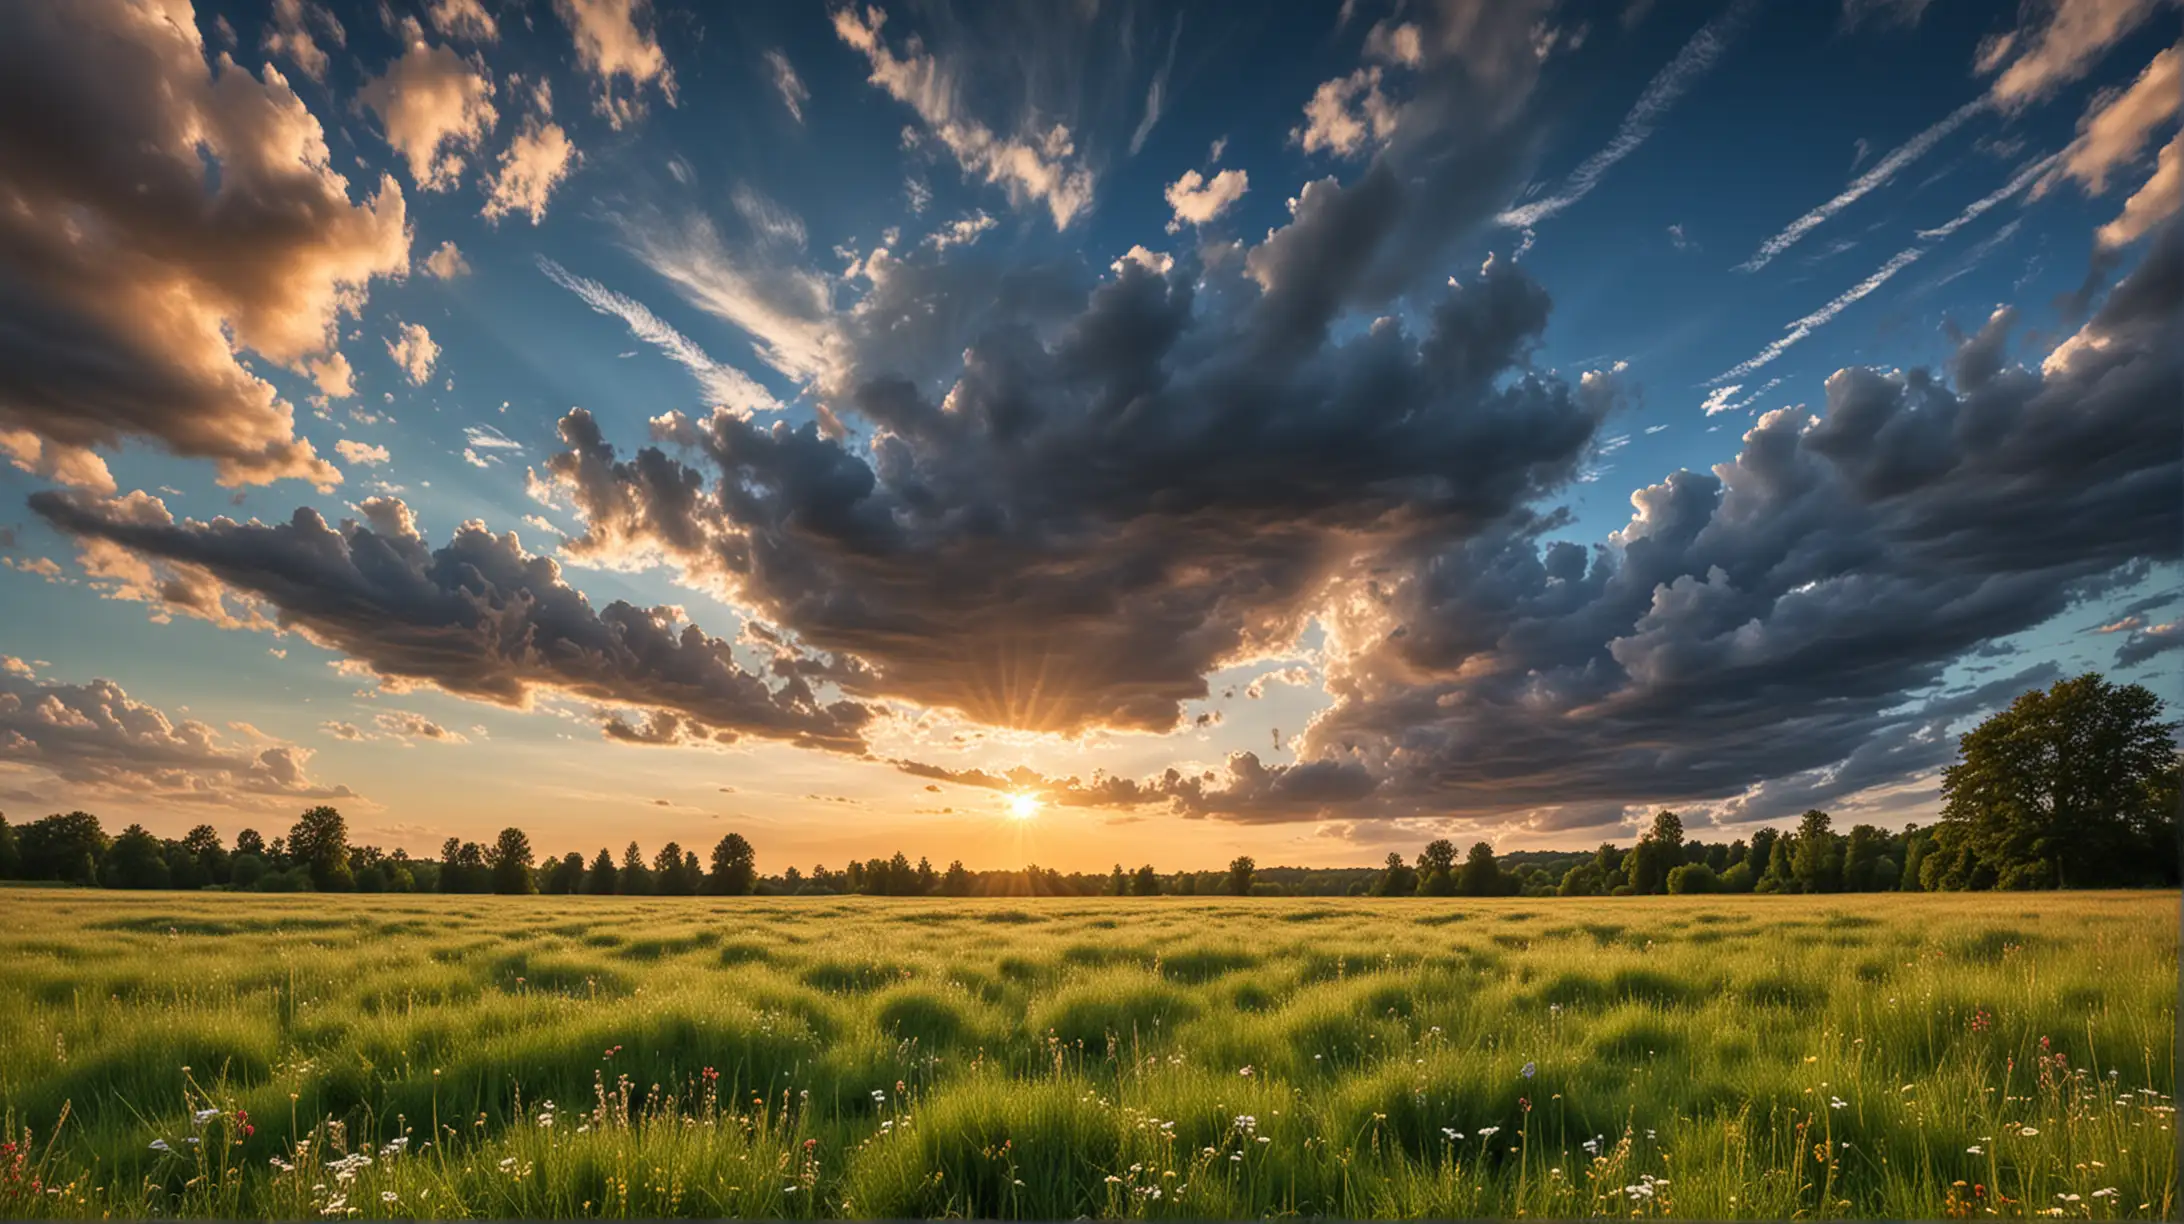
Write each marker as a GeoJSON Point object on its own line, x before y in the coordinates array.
{"type": "Point", "coordinates": [2076, 786]}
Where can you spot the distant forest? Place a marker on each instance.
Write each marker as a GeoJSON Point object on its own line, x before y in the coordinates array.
{"type": "Point", "coordinates": [2076, 786]}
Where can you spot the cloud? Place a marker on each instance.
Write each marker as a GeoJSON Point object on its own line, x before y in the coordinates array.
{"type": "Point", "coordinates": [342, 730]}
{"type": "Point", "coordinates": [2151, 204]}
{"type": "Point", "coordinates": [446, 262]}
{"type": "Point", "coordinates": [169, 214]}
{"type": "Point", "coordinates": [97, 739]}
{"type": "Point", "coordinates": [2077, 33]}
{"type": "Point", "coordinates": [963, 231]}
{"type": "Point", "coordinates": [614, 39]}
{"type": "Point", "coordinates": [724, 385]}
{"type": "Point", "coordinates": [360, 453]}
{"type": "Point", "coordinates": [1806, 326]}
{"type": "Point", "coordinates": [786, 309]}
{"type": "Point", "coordinates": [1882, 172]}
{"type": "Point", "coordinates": [432, 105]}
{"type": "Point", "coordinates": [1828, 575]}
{"type": "Point", "coordinates": [534, 164]}
{"type": "Point", "coordinates": [1347, 116]}
{"type": "Point", "coordinates": [290, 35]}
{"type": "Point", "coordinates": [478, 617]}
{"type": "Point", "coordinates": [1156, 93]}
{"type": "Point", "coordinates": [1692, 62]}
{"type": "Point", "coordinates": [413, 351]}
{"type": "Point", "coordinates": [464, 19]}
{"type": "Point", "coordinates": [401, 724]}
{"type": "Point", "coordinates": [2117, 125]}
{"type": "Point", "coordinates": [1197, 199]}
{"type": "Point", "coordinates": [786, 83]}
{"type": "Point", "coordinates": [1039, 167]}
{"type": "Point", "coordinates": [2145, 644]}
{"type": "Point", "coordinates": [1086, 529]}
{"type": "Point", "coordinates": [332, 374]}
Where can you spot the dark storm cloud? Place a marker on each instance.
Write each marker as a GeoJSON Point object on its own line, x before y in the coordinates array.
{"type": "Point", "coordinates": [1788, 611]}
{"type": "Point", "coordinates": [478, 617]}
{"type": "Point", "coordinates": [96, 736]}
{"type": "Point", "coordinates": [167, 211]}
{"type": "Point", "coordinates": [1085, 525]}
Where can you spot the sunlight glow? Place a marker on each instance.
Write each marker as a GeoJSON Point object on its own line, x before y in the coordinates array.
{"type": "Point", "coordinates": [1023, 805]}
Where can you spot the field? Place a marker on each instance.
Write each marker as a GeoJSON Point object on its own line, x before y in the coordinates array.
{"type": "Point", "coordinates": [1926, 1056]}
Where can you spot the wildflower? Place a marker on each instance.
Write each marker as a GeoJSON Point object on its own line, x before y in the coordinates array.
{"type": "Point", "coordinates": [1235, 1157]}
{"type": "Point", "coordinates": [792, 1189]}
{"type": "Point", "coordinates": [878, 1096]}
{"type": "Point", "coordinates": [160, 1145]}
{"type": "Point", "coordinates": [1529, 1070]}
{"type": "Point", "coordinates": [1837, 1103]}
{"type": "Point", "coordinates": [1488, 1132]}
{"type": "Point", "coordinates": [389, 1196]}
{"type": "Point", "coordinates": [2028, 1131]}
{"type": "Point", "coordinates": [1976, 1150]}
{"type": "Point", "coordinates": [508, 1165]}
{"type": "Point", "coordinates": [395, 1146]}
{"type": "Point", "coordinates": [2105, 1192]}
{"type": "Point", "coordinates": [203, 1116]}
{"type": "Point", "coordinates": [1245, 1072]}
{"type": "Point", "coordinates": [1452, 1133]}
{"type": "Point", "coordinates": [2068, 1198]}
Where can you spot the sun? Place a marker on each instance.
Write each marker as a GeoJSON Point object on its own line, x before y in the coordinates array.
{"type": "Point", "coordinates": [1024, 805]}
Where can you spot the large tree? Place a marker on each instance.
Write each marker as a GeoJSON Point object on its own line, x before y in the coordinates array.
{"type": "Point", "coordinates": [319, 843]}
{"type": "Point", "coordinates": [1240, 872]}
{"type": "Point", "coordinates": [735, 868]}
{"type": "Point", "coordinates": [511, 858]}
{"type": "Point", "coordinates": [2066, 788]}
{"type": "Point", "coordinates": [66, 848]}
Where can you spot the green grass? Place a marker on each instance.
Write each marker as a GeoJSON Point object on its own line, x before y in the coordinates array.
{"type": "Point", "coordinates": [1916, 1056]}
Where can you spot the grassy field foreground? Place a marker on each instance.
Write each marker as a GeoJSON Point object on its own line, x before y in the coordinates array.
{"type": "Point", "coordinates": [1929, 1056]}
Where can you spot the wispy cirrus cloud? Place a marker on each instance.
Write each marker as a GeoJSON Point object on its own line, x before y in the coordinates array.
{"type": "Point", "coordinates": [1698, 55]}
{"type": "Point", "coordinates": [724, 385]}
{"type": "Point", "coordinates": [1882, 172]}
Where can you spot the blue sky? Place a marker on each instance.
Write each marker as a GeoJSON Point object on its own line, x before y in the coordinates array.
{"type": "Point", "coordinates": [772, 211]}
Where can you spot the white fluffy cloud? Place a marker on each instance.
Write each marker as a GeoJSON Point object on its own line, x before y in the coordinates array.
{"type": "Point", "coordinates": [291, 35]}
{"type": "Point", "coordinates": [169, 211]}
{"type": "Point", "coordinates": [446, 262]}
{"type": "Point", "coordinates": [433, 105]}
{"type": "Point", "coordinates": [465, 19]}
{"type": "Point", "coordinates": [535, 163]}
{"type": "Point", "coordinates": [614, 39]}
{"type": "Point", "coordinates": [1347, 115]}
{"type": "Point", "coordinates": [361, 452]}
{"type": "Point", "coordinates": [1197, 199]}
{"type": "Point", "coordinates": [413, 351]}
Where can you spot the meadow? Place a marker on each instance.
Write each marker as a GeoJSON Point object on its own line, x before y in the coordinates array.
{"type": "Point", "coordinates": [229, 1056]}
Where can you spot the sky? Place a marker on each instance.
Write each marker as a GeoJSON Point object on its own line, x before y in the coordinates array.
{"type": "Point", "coordinates": [1070, 433]}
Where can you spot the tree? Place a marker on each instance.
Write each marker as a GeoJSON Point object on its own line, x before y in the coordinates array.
{"type": "Point", "coordinates": [667, 872]}
{"type": "Point", "coordinates": [1779, 877]}
{"type": "Point", "coordinates": [1240, 871]}
{"type": "Point", "coordinates": [11, 855]}
{"type": "Point", "coordinates": [1439, 855]}
{"type": "Point", "coordinates": [1118, 882]}
{"type": "Point", "coordinates": [1692, 878]}
{"type": "Point", "coordinates": [136, 860]}
{"type": "Point", "coordinates": [956, 881]}
{"type": "Point", "coordinates": [203, 844]}
{"type": "Point", "coordinates": [634, 880]}
{"type": "Point", "coordinates": [1481, 877]}
{"type": "Point", "coordinates": [1396, 878]}
{"type": "Point", "coordinates": [251, 842]}
{"type": "Point", "coordinates": [1647, 865]}
{"type": "Point", "coordinates": [735, 868]}
{"type": "Point", "coordinates": [510, 860]}
{"type": "Point", "coordinates": [1667, 829]}
{"type": "Point", "coordinates": [600, 881]}
{"type": "Point", "coordinates": [1817, 862]}
{"type": "Point", "coordinates": [564, 875]}
{"type": "Point", "coordinates": [1146, 883]}
{"type": "Point", "coordinates": [66, 848]}
{"type": "Point", "coordinates": [1862, 858]}
{"type": "Point", "coordinates": [319, 843]}
{"type": "Point", "coordinates": [2064, 788]}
